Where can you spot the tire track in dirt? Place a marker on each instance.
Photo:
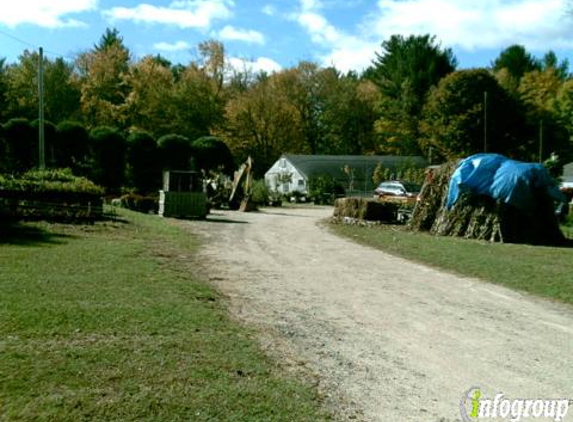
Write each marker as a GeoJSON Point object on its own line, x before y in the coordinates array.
{"type": "Point", "coordinates": [388, 339]}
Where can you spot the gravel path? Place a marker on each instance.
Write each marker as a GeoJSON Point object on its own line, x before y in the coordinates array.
{"type": "Point", "coordinates": [388, 339]}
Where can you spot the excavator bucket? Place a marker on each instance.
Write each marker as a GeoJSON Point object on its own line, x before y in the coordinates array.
{"type": "Point", "coordinates": [243, 176]}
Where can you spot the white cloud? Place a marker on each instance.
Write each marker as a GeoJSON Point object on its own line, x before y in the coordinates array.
{"type": "Point", "coordinates": [262, 64]}
{"type": "Point", "coordinates": [184, 14]}
{"type": "Point", "coordinates": [308, 5]}
{"type": "Point", "coordinates": [49, 14]}
{"type": "Point", "coordinates": [269, 10]}
{"type": "Point", "coordinates": [172, 47]}
{"type": "Point", "coordinates": [319, 28]}
{"type": "Point", "coordinates": [462, 24]}
{"type": "Point", "coordinates": [230, 33]}
{"type": "Point", "coordinates": [537, 24]}
{"type": "Point", "coordinates": [351, 55]}
{"type": "Point", "coordinates": [340, 49]}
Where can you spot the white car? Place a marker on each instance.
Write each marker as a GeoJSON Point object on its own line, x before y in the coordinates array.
{"type": "Point", "coordinates": [397, 188]}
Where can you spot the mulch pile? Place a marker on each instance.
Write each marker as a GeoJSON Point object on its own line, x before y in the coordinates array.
{"type": "Point", "coordinates": [481, 217]}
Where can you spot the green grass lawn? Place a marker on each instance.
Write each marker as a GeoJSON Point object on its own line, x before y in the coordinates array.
{"type": "Point", "coordinates": [108, 323]}
{"type": "Point", "coordinates": [543, 271]}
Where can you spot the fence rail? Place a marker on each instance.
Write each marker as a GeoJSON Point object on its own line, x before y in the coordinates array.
{"type": "Point", "coordinates": [60, 207]}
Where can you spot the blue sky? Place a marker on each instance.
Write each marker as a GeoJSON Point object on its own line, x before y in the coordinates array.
{"type": "Point", "coordinates": [275, 34]}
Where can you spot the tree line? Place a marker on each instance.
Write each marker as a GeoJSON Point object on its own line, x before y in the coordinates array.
{"type": "Point", "coordinates": [412, 100]}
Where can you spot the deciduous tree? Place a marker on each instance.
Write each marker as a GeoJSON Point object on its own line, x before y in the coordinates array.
{"type": "Point", "coordinates": [150, 104]}
{"type": "Point", "coordinates": [453, 123]}
{"type": "Point", "coordinates": [263, 123]}
{"type": "Point", "coordinates": [104, 90]}
{"type": "Point", "coordinates": [546, 133]}
{"type": "Point", "coordinates": [347, 112]}
{"type": "Point", "coordinates": [300, 85]}
{"type": "Point", "coordinates": [61, 90]}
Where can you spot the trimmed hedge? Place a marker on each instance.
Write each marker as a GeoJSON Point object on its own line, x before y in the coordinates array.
{"type": "Point", "coordinates": [55, 181]}
{"type": "Point", "coordinates": [50, 195]}
{"type": "Point", "coordinates": [108, 153]}
{"type": "Point", "coordinates": [72, 147]}
{"type": "Point", "coordinates": [21, 146]}
{"type": "Point", "coordinates": [50, 135]}
{"type": "Point", "coordinates": [213, 154]}
{"type": "Point", "coordinates": [175, 152]}
{"type": "Point", "coordinates": [105, 156]}
{"type": "Point", "coordinates": [143, 163]}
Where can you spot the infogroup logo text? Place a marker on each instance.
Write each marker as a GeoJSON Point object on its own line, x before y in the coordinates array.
{"type": "Point", "coordinates": [475, 407]}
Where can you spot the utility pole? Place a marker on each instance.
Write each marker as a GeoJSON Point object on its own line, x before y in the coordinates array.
{"type": "Point", "coordinates": [485, 121]}
{"type": "Point", "coordinates": [42, 154]}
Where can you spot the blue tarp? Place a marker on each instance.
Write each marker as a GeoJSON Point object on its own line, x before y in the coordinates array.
{"type": "Point", "coordinates": [512, 182]}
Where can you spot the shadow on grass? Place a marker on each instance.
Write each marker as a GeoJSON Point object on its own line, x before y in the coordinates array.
{"type": "Point", "coordinates": [25, 235]}
{"type": "Point", "coordinates": [114, 219]}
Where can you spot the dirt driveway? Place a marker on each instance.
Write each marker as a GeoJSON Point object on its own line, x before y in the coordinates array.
{"type": "Point", "coordinates": [388, 339]}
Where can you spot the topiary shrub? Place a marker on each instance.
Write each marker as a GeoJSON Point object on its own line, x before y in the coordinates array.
{"type": "Point", "coordinates": [174, 152]}
{"type": "Point", "coordinates": [50, 133]}
{"type": "Point", "coordinates": [108, 157]}
{"type": "Point", "coordinates": [211, 153]}
{"type": "Point", "coordinates": [143, 163]}
{"type": "Point", "coordinates": [21, 145]}
{"type": "Point", "coordinates": [71, 147]}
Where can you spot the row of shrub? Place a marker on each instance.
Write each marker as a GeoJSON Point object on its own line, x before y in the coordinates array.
{"type": "Point", "coordinates": [110, 158]}
{"type": "Point", "coordinates": [49, 182]}
{"type": "Point", "coordinates": [51, 195]}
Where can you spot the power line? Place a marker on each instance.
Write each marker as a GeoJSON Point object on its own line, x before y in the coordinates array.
{"type": "Point", "coordinates": [35, 47]}
{"type": "Point", "coordinates": [19, 40]}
